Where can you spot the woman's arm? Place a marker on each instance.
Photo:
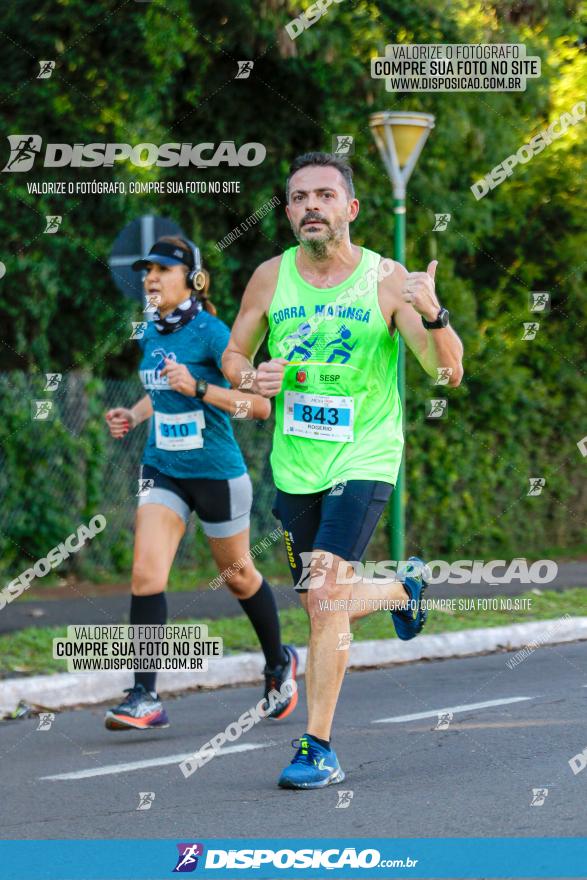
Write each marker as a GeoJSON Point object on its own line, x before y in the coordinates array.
{"type": "Point", "coordinates": [228, 399]}
{"type": "Point", "coordinates": [121, 420]}
{"type": "Point", "coordinates": [142, 410]}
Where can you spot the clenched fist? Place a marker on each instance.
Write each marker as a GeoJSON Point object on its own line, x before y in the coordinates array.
{"type": "Point", "coordinates": [179, 378]}
{"type": "Point", "coordinates": [270, 376]}
{"type": "Point", "coordinates": [120, 421]}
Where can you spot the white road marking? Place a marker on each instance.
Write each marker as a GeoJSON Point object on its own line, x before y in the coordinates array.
{"type": "Point", "coordinates": [110, 769]}
{"type": "Point", "coordinates": [465, 708]}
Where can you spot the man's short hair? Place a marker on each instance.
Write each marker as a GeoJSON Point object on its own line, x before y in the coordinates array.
{"type": "Point", "coordinates": [324, 160]}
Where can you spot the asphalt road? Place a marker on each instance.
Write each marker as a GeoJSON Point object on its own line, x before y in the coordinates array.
{"type": "Point", "coordinates": [407, 778]}
{"type": "Point", "coordinates": [108, 609]}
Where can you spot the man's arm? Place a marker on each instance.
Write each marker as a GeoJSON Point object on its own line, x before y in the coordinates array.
{"type": "Point", "coordinates": [250, 328]}
{"type": "Point", "coordinates": [405, 298]}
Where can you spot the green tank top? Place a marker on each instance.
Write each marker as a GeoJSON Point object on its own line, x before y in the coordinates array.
{"type": "Point", "coordinates": [338, 415]}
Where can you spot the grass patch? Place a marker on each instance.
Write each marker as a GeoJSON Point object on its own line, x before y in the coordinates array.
{"type": "Point", "coordinates": [182, 578]}
{"type": "Point", "coordinates": [30, 650]}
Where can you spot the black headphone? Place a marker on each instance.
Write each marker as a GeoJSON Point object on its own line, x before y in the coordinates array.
{"type": "Point", "coordinates": [195, 279]}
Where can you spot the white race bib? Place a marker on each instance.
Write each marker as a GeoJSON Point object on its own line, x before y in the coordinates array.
{"type": "Point", "coordinates": [179, 431]}
{"type": "Point", "coordinates": [318, 416]}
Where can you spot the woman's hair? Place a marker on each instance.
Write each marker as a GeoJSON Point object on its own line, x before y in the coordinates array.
{"type": "Point", "coordinates": [201, 294]}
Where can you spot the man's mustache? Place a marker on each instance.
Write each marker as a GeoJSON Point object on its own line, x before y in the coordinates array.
{"type": "Point", "coordinates": [313, 217]}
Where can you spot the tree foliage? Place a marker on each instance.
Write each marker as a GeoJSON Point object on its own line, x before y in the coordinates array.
{"type": "Point", "coordinates": [157, 72]}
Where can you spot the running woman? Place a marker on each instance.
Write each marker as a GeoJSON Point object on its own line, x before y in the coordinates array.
{"type": "Point", "coordinates": [191, 462]}
{"type": "Point", "coordinates": [334, 311]}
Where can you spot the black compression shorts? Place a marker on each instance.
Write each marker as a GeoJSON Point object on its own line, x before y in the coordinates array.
{"type": "Point", "coordinates": [340, 520]}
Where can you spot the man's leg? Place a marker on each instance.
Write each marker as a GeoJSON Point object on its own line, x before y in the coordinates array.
{"type": "Point", "coordinates": [370, 596]}
{"type": "Point", "coordinates": [315, 764]}
{"type": "Point", "coordinates": [348, 517]}
{"type": "Point", "coordinates": [327, 607]}
{"type": "Point", "coordinates": [331, 608]}
{"type": "Point", "coordinates": [345, 518]}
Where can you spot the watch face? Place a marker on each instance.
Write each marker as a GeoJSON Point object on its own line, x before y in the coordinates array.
{"type": "Point", "coordinates": [440, 321]}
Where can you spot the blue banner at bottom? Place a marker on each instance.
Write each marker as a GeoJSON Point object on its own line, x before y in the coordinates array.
{"type": "Point", "coordinates": [228, 859]}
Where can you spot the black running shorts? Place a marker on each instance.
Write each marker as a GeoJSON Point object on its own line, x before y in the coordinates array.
{"type": "Point", "coordinates": [223, 506]}
{"type": "Point", "coordinates": [340, 520]}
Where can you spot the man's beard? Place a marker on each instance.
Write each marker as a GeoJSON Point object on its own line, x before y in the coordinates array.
{"type": "Point", "coordinates": [318, 248]}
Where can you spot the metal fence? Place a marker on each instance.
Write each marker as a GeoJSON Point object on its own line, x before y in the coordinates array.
{"type": "Point", "coordinates": [61, 467]}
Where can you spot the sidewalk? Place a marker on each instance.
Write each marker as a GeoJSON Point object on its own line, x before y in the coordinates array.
{"type": "Point", "coordinates": [211, 604]}
{"type": "Point", "coordinates": [109, 609]}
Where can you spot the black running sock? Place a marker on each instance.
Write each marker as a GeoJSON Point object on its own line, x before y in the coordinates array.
{"type": "Point", "coordinates": [149, 610]}
{"type": "Point", "coordinates": [325, 743]}
{"type": "Point", "coordinates": [262, 612]}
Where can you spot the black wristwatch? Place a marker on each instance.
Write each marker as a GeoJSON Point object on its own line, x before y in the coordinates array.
{"type": "Point", "coordinates": [440, 322]}
{"type": "Point", "coordinates": [201, 388]}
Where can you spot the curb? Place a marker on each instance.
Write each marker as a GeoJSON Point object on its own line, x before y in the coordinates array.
{"type": "Point", "coordinates": [64, 690]}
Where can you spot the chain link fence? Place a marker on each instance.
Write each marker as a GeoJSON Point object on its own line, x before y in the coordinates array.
{"type": "Point", "coordinates": [59, 467]}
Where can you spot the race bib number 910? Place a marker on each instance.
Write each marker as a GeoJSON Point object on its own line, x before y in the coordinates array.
{"type": "Point", "coordinates": [318, 416]}
{"type": "Point", "coordinates": [179, 431]}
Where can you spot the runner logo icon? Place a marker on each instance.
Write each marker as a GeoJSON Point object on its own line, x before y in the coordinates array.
{"type": "Point", "coordinates": [187, 860]}
{"type": "Point", "coordinates": [23, 151]}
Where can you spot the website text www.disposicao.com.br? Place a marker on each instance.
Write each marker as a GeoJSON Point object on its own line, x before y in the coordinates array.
{"type": "Point", "coordinates": [329, 859]}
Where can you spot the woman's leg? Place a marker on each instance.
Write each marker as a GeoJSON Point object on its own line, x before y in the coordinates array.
{"type": "Point", "coordinates": [158, 533]}
{"type": "Point", "coordinates": [231, 555]}
{"type": "Point", "coordinates": [159, 530]}
{"type": "Point", "coordinates": [224, 508]}
{"type": "Point", "coordinates": [256, 598]}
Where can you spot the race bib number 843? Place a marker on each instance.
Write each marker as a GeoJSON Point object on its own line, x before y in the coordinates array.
{"type": "Point", "coordinates": [318, 416]}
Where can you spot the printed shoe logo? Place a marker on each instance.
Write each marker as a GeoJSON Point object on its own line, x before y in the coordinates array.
{"type": "Point", "coordinates": [188, 857]}
{"type": "Point", "coordinates": [301, 376]}
{"type": "Point", "coordinates": [322, 766]}
{"type": "Point", "coordinates": [24, 149]}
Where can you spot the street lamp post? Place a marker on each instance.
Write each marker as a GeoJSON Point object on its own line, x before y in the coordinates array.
{"type": "Point", "coordinates": [400, 137]}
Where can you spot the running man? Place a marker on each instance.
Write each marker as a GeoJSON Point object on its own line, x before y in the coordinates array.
{"type": "Point", "coordinates": [191, 462]}
{"type": "Point", "coordinates": [338, 436]}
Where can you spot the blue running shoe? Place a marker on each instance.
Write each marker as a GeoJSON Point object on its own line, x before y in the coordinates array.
{"type": "Point", "coordinates": [140, 710]}
{"type": "Point", "coordinates": [410, 621]}
{"type": "Point", "coordinates": [313, 766]}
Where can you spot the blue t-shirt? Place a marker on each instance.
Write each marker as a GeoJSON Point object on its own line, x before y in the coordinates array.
{"type": "Point", "coordinates": [189, 439]}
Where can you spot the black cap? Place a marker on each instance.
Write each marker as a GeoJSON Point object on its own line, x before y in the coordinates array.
{"type": "Point", "coordinates": [166, 254]}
